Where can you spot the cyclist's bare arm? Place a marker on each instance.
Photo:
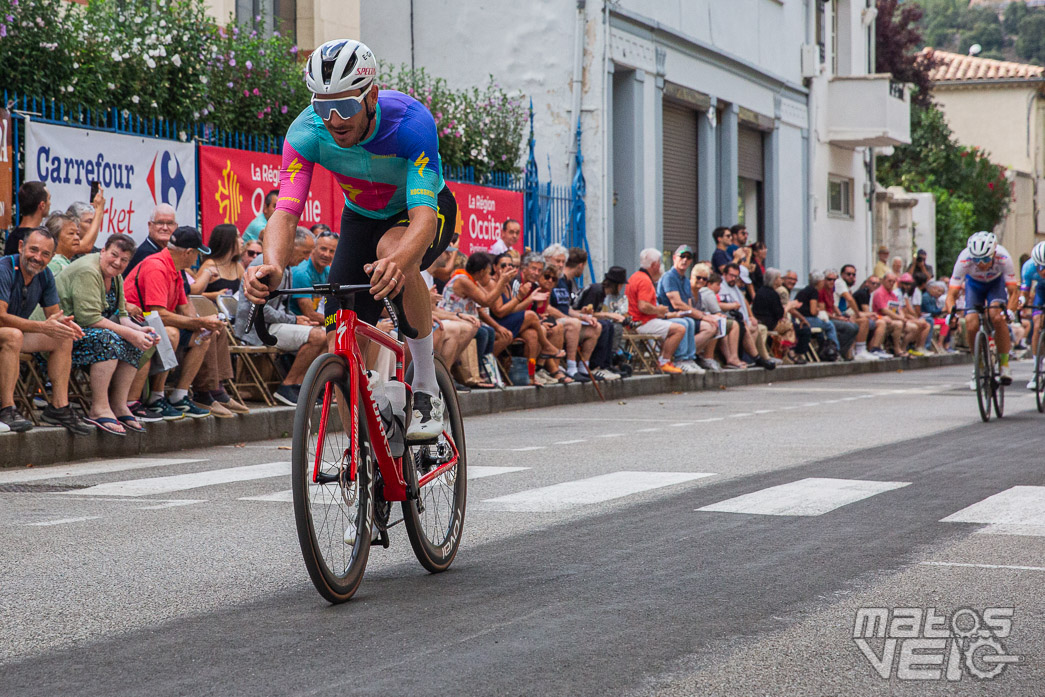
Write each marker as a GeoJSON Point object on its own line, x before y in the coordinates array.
{"type": "Point", "coordinates": [279, 247]}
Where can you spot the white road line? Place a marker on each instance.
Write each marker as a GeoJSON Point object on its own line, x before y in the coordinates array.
{"type": "Point", "coordinates": [807, 497]}
{"type": "Point", "coordinates": [581, 492]}
{"type": "Point", "coordinates": [811, 404]}
{"type": "Point", "coordinates": [180, 482]}
{"type": "Point", "coordinates": [63, 521]}
{"type": "Point", "coordinates": [1020, 505]}
{"type": "Point", "coordinates": [609, 435]}
{"type": "Point", "coordinates": [171, 504]}
{"type": "Point", "coordinates": [763, 411]}
{"type": "Point", "coordinates": [982, 566]}
{"type": "Point", "coordinates": [474, 472]}
{"type": "Point", "coordinates": [568, 442]}
{"type": "Point", "coordinates": [533, 447]}
{"type": "Point", "coordinates": [1020, 530]}
{"type": "Point", "coordinates": [707, 421]}
{"type": "Point", "coordinates": [741, 415]}
{"type": "Point", "coordinates": [36, 474]}
{"type": "Point", "coordinates": [647, 430]}
{"type": "Point", "coordinates": [683, 423]}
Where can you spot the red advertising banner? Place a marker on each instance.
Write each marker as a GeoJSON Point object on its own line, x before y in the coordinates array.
{"type": "Point", "coordinates": [6, 171]}
{"type": "Point", "coordinates": [233, 184]}
{"type": "Point", "coordinates": [480, 212]}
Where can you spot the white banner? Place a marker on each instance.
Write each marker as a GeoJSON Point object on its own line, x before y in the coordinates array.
{"type": "Point", "coordinates": [135, 173]}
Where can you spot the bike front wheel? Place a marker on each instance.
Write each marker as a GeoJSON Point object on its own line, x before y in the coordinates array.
{"type": "Point", "coordinates": [333, 510]}
{"type": "Point", "coordinates": [435, 519]}
{"type": "Point", "coordinates": [982, 357]}
{"type": "Point", "coordinates": [1039, 374]}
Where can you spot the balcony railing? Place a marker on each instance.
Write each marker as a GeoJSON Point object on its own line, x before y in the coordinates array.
{"type": "Point", "coordinates": [868, 111]}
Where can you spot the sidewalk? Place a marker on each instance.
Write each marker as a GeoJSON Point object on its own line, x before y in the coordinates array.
{"type": "Point", "coordinates": [53, 445]}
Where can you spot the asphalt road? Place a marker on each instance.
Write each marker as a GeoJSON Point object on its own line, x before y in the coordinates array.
{"type": "Point", "coordinates": [704, 543]}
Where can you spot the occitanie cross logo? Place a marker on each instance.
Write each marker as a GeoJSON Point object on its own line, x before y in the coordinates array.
{"type": "Point", "coordinates": [228, 196]}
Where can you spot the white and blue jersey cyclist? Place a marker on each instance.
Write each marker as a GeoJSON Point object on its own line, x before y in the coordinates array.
{"type": "Point", "coordinates": [1033, 275]}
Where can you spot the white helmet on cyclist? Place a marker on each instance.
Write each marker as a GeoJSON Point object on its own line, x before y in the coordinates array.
{"type": "Point", "coordinates": [982, 245]}
{"type": "Point", "coordinates": [340, 65]}
{"type": "Point", "coordinates": [1038, 254]}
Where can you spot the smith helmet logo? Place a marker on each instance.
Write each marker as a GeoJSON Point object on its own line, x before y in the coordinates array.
{"type": "Point", "coordinates": [294, 167]}
{"type": "Point", "coordinates": [420, 163]}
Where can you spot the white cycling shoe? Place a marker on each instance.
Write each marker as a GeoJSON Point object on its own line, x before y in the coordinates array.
{"type": "Point", "coordinates": [426, 420]}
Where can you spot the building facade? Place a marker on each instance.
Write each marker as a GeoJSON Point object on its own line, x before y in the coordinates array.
{"type": "Point", "coordinates": [694, 114]}
{"type": "Point", "coordinates": [310, 22]}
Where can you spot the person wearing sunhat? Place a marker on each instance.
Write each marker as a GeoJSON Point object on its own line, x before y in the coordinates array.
{"type": "Point", "coordinates": [881, 267]}
{"type": "Point", "coordinates": [157, 284]}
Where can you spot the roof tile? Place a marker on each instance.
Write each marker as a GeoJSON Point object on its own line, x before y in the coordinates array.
{"type": "Point", "coordinates": [956, 67]}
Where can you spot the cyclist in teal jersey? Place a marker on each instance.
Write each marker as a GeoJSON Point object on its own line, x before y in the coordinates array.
{"type": "Point", "coordinates": [399, 215]}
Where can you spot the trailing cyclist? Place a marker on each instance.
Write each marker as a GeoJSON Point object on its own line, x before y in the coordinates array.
{"type": "Point", "coordinates": [1033, 272]}
{"type": "Point", "coordinates": [986, 271]}
{"type": "Point", "coordinates": [399, 216]}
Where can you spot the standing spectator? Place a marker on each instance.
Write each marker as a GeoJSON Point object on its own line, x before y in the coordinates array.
{"type": "Point", "coordinates": [314, 270]}
{"type": "Point", "coordinates": [34, 203]}
{"type": "Point", "coordinates": [91, 292]}
{"type": "Point", "coordinates": [161, 225]}
{"type": "Point", "coordinates": [510, 232]}
{"type": "Point", "coordinates": [851, 331]}
{"type": "Point", "coordinates": [919, 264]}
{"type": "Point", "coordinates": [157, 285]}
{"type": "Point", "coordinates": [739, 235]}
{"type": "Point", "coordinates": [25, 283]}
{"type": "Point", "coordinates": [768, 309]}
{"type": "Point", "coordinates": [723, 237]}
{"type": "Point", "coordinates": [65, 230]}
{"type": "Point", "coordinates": [650, 317]}
{"type": "Point", "coordinates": [885, 303]}
{"type": "Point", "coordinates": [89, 216]}
{"type": "Point", "coordinates": [257, 226]}
{"type": "Point", "coordinates": [809, 299]}
{"type": "Point", "coordinates": [675, 292]}
{"type": "Point", "coordinates": [880, 267]}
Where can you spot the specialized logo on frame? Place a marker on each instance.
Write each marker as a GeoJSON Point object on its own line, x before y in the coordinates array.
{"type": "Point", "coordinates": [913, 643]}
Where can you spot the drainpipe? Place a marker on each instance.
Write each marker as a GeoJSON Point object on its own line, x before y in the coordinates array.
{"type": "Point", "coordinates": [812, 7]}
{"type": "Point", "coordinates": [578, 77]}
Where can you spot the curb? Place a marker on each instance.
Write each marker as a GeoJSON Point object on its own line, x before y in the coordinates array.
{"type": "Point", "coordinates": [53, 445]}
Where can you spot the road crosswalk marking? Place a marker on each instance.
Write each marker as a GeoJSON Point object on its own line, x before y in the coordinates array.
{"type": "Point", "coordinates": [84, 469]}
{"type": "Point", "coordinates": [1019, 510]}
{"type": "Point", "coordinates": [812, 496]}
{"type": "Point", "coordinates": [580, 492]}
{"type": "Point", "coordinates": [181, 482]}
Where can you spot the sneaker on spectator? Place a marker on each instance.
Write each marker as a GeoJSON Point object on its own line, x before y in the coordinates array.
{"type": "Point", "coordinates": [764, 364]}
{"type": "Point", "coordinates": [14, 421]}
{"type": "Point", "coordinates": [580, 377]}
{"type": "Point", "coordinates": [691, 367]}
{"type": "Point", "coordinates": [881, 353]}
{"type": "Point", "coordinates": [606, 374]}
{"type": "Point", "coordinates": [142, 413]}
{"type": "Point", "coordinates": [671, 368]}
{"type": "Point", "coordinates": [865, 357]}
{"type": "Point", "coordinates": [163, 409]}
{"type": "Point", "coordinates": [916, 353]}
{"type": "Point", "coordinates": [186, 407]}
{"type": "Point", "coordinates": [543, 377]}
{"type": "Point", "coordinates": [64, 416]}
{"type": "Point", "coordinates": [4, 428]}
{"type": "Point", "coordinates": [711, 364]}
{"type": "Point", "coordinates": [288, 394]}
{"type": "Point", "coordinates": [216, 408]}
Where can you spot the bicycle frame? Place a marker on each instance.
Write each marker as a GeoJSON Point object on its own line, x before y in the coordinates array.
{"type": "Point", "coordinates": [348, 329]}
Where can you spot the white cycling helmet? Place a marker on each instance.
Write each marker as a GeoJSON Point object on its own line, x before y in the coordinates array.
{"type": "Point", "coordinates": [982, 245]}
{"type": "Point", "coordinates": [340, 65]}
{"type": "Point", "coordinates": [1038, 254]}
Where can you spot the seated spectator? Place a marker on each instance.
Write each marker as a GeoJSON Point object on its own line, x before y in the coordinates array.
{"type": "Point", "coordinates": [851, 330]}
{"type": "Point", "coordinates": [651, 317]}
{"type": "Point", "coordinates": [752, 334]}
{"type": "Point", "coordinates": [809, 306]}
{"type": "Point", "coordinates": [511, 230]}
{"type": "Point", "coordinates": [251, 251]}
{"type": "Point", "coordinates": [89, 217]}
{"type": "Point", "coordinates": [756, 268]}
{"type": "Point", "coordinates": [675, 292]}
{"type": "Point", "coordinates": [708, 284]}
{"type": "Point", "coordinates": [897, 266]}
{"type": "Point", "coordinates": [607, 302]}
{"type": "Point", "coordinates": [887, 304]}
{"type": "Point", "coordinates": [90, 290]}
{"type": "Point", "coordinates": [788, 282]}
{"type": "Point", "coordinates": [25, 283]}
{"type": "Point", "coordinates": [512, 312]}
{"type": "Point", "coordinates": [933, 312]}
{"type": "Point", "coordinates": [34, 205]}
{"type": "Point", "coordinates": [319, 228]}
{"type": "Point", "coordinates": [313, 271]}
{"type": "Point", "coordinates": [581, 331]}
{"type": "Point", "coordinates": [848, 304]}
{"type": "Point", "coordinates": [66, 232]}
{"type": "Point", "coordinates": [295, 334]}
{"type": "Point", "coordinates": [768, 309]}
{"type": "Point", "coordinates": [221, 271]}
{"type": "Point", "coordinates": [157, 285]}
{"type": "Point", "coordinates": [912, 313]}
{"type": "Point", "coordinates": [161, 225]}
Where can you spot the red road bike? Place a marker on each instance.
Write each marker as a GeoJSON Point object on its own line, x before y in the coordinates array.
{"type": "Point", "coordinates": [345, 469]}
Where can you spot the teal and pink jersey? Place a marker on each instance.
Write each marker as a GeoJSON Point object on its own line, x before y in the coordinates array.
{"type": "Point", "coordinates": [395, 169]}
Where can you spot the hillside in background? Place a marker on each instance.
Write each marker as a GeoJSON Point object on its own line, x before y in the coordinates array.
{"type": "Point", "coordinates": [1005, 30]}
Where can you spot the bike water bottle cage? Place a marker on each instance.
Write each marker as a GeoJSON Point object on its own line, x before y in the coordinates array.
{"type": "Point", "coordinates": [346, 107]}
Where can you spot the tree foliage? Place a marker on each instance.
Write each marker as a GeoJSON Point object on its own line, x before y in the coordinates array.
{"type": "Point", "coordinates": [955, 25]}
{"type": "Point", "coordinates": [897, 40]}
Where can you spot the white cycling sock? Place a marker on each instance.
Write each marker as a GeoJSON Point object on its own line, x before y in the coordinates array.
{"type": "Point", "coordinates": [861, 346]}
{"type": "Point", "coordinates": [571, 367]}
{"type": "Point", "coordinates": [422, 352]}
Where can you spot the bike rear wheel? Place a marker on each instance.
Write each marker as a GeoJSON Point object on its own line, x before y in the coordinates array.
{"type": "Point", "coordinates": [435, 519]}
{"type": "Point", "coordinates": [1039, 374]}
{"type": "Point", "coordinates": [997, 387]}
{"type": "Point", "coordinates": [982, 358]}
{"type": "Point", "coordinates": [334, 515]}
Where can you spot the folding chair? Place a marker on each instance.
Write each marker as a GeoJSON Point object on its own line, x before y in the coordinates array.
{"type": "Point", "coordinates": [645, 347]}
{"type": "Point", "coordinates": [29, 384]}
{"type": "Point", "coordinates": [247, 373]}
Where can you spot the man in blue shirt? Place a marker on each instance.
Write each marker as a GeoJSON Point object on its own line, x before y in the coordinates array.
{"type": "Point", "coordinates": [254, 230]}
{"type": "Point", "coordinates": [723, 237]}
{"type": "Point", "coordinates": [25, 283]}
{"type": "Point", "coordinates": [674, 291]}
{"type": "Point", "coordinates": [315, 269]}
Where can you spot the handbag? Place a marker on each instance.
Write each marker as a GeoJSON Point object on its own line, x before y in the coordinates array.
{"type": "Point", "coordinates": [164, 357]}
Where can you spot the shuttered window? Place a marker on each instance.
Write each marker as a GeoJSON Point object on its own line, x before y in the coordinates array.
{"type": "Point", "coordinates": [749, 154]}
{"type": "Point", "coordinates": [680, 176]}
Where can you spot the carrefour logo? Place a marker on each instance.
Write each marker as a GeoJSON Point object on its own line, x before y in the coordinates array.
{"type": "Point", "coordinates": [169, 183]}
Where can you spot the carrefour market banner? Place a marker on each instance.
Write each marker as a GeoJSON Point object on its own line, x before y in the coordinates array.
{"type": "Point", "coordinates": [136, 173]}
{"type": "Point", "coordinates": [233, 185]}
{"type": "Point", "coordinates": [481, 211]}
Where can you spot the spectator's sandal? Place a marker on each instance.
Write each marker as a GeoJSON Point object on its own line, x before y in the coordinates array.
{"type": "Point", "coordinates": [562, 377]}
{"type": "Point", "coordinates": [131, 422]}
{"type": "Point", "coordinates": [105, 424]}
{"type": "Point", "coordinates": [546, 356]}
{"type": "Point", "coordinates": [480, 385]}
